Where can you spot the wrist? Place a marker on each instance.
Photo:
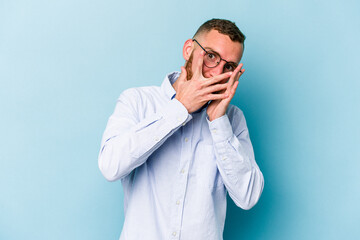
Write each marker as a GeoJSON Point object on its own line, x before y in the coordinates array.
{"type": "Point", "coordinates": [177, 97]}
{"type": "Point", "coordinates": [212, 118]}
{"type": "Point", "coordinates": [212, 115]}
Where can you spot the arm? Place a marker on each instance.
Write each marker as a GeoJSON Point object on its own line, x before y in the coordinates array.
{"type": "Point", "coordinates": [128, 140]}
{"type": "Point", "coordinates": [234, 153]}
{"type": "Point", "coordinates": [235, 159]}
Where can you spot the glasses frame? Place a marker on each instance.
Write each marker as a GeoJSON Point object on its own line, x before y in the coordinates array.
{"type": "Point", "coordinates": [232, 64]}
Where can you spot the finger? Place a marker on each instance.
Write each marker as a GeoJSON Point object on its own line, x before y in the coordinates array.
{"type": "Point", "coordinates": [231, 92]}
{"type": "Point", "coordinates": [183, 74]}
{"type": "Point", "coordinates": [217, 79]}
{"type": "Point", "coordinates": [199, 63]}
{"type": "Point", "coordinates": [233, 89]}
{"type": "Point", "coordinates": [216, 88]}
{"type": "Point", "coordinates": [238, 71]}
{"type": "Point", "coordinates": [217, 96]}
{"type": "Point", "coordinates": [239, 67]}
{"type": "Point", "coordinates": [241, 72]}
{"type": "Point", "coordinates": [236, 75]}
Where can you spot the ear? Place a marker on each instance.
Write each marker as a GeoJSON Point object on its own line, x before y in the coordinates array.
{"type": "Point", "coordinates": [187, 49]}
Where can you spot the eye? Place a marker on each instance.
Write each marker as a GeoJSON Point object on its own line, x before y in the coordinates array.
{"type": "Point", "coordinates": [228, 67]}
{"type": "Point", "coordinates": [211, 56]}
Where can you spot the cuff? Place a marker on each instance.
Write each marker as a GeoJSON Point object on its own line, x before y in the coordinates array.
{"type": "Point", "coordinates": [220, 129]}
{"type": "Point", "coordinates": [175, 113]}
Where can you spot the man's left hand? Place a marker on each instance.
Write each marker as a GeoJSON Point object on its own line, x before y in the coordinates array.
{"type": "Point", "coordinates": [217, 108]}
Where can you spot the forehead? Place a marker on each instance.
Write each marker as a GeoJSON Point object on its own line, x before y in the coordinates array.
{"type": "Point", "coordinates": [222, 44]}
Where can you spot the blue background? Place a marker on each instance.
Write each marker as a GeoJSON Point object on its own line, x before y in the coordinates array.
{"type": "Point", "coordinates": [64, 63]}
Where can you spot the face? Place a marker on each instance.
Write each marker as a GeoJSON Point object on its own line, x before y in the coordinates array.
{"type": "Point", "coordinates": [216, 42]}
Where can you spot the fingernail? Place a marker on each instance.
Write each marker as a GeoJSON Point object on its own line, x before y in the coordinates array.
{"type": "Point", "coordinates": [230, 73]}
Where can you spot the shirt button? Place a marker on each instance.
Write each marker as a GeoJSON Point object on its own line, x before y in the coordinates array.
{"type": "Point", "coordinates": [214, 131]}
{"type": "Point", "coordinates": [224, 158]}
{"type": "Point", "coordinates": [182, 171]}
{"type": "Point", "coordinates": [184, 124]}
{"type": "Point", "coordinates": [186, 139]}
{"type": "Point", "coordinates": [156, 139]}
{"type": "Point", "coordinates": [177, 202]}
{"type": "Point", "coordinates": [174, 234]}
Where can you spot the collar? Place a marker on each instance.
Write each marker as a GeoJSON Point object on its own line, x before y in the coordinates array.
{"type": "Point", "coordinates": [167, 87]}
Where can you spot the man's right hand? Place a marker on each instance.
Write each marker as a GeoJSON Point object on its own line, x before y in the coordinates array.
{"type": "Point", "coordinates": [197, 91]}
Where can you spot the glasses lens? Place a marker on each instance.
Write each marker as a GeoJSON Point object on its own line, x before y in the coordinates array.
{"type": "Point", "coordinates": [229, 67]}
{"type": "Point", "coordinates": [211, 59]}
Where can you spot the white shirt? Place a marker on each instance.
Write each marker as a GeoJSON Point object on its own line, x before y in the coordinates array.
{"type": "Point", "coordinates": [176, 167]}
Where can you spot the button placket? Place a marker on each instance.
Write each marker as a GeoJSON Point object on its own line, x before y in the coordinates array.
{"type": "Point", "coordinates": [179, 197]}
{"type": "Point", "coordinates": [179, 200]}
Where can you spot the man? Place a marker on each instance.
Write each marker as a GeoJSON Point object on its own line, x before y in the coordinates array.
{"type": "Point", "coordinates": [179, 148]}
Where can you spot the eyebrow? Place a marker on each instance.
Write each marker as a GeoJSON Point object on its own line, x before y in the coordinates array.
{"type": "Point", "coordinates": [212, 50]}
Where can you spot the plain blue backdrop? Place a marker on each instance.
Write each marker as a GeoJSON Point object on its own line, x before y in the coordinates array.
{"type": "Point", "coordinates": [64, 63]}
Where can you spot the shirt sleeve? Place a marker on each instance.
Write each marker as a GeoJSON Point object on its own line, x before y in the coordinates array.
{"type": "Point", "coordinates": [235, 159]}
{"type": "Point", "coordinates": [130, 139]}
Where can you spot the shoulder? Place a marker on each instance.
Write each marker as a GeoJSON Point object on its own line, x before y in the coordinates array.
{"type": "Point", "coordinates": [138, 93]}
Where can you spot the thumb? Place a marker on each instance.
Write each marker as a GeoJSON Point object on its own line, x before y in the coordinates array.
{"type": "Point", "coordinates": [183, 75]}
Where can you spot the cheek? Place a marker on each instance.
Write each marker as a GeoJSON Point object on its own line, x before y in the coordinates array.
{"type": "Point", "coordinates": [206, 72]}
{"type": "Point", "coordinates": [212, 72]}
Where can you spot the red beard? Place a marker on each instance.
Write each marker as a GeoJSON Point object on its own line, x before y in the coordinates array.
{"type": "Point", "coordinates": [188, 67]}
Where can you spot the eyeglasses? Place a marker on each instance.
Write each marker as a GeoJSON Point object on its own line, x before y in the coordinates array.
{"type": "Point", "coordinates": [212, 59]}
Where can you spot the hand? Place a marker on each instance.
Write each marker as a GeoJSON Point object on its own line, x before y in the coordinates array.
{"type": "Point", "coordinates": [197, 91]}
{"type": "Point", "coordinates": [217, 108]}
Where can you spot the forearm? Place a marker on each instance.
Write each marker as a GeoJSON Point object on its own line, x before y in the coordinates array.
{"type": "Point", "coordinates": [127, 144]}
{"type": "Point", "coordinates": [236, 164]}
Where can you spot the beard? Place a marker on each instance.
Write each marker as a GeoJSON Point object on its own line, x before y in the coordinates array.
{"type": "Point", "coordinates": [188, 67]}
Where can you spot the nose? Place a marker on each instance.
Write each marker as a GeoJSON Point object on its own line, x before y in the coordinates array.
{"type": "Point", "coordinates": [217, 70]}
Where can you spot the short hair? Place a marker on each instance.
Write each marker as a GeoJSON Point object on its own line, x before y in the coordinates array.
{"type": "Point", "coordinates": [223, 26]}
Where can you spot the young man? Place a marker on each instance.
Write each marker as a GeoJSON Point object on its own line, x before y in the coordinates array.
{"type": "Point", "coordinates": [179, 148]}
